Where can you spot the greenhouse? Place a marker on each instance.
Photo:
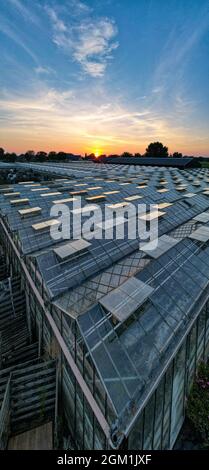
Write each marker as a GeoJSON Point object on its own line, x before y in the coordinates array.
{"type": "Point", "coordinates": [127, 325]}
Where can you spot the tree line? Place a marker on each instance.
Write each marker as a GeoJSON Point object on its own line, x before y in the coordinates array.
{"type": "Point", "coordinates": [154, 150]}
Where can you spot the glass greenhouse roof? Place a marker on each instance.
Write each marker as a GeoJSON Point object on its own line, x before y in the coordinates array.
{"type": "Point", "coordinates": [132, 306]}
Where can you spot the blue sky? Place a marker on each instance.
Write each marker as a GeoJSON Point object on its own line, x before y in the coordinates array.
{"type": "Point", "coordinates": [104, 75]}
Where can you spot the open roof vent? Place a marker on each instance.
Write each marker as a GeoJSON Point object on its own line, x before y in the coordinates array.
{"type": "Point", "coordinates": [98, 198]}
{"type": "Point", "coordinates": [164, 244]}
{"type": "Point", "coordinates": [15, 202]}
{"type": "Point", "coordinates": [203, 217]}
{"type": "Point", "coordinates": [126, 299]}
{"type": "Point", "coordinates": [201, 234]}
{"type": "Point", "coordinates": [111, 223]}
{"type": "Point", "coordinates": [72, 249]}
{"type": "Point", "coordinates": [30, 212]}
{"type": "Point", "coordinates": [189, 195]}
{"type": "Point", "coordinates": [11, 194]}
{"type": "Point", "coordinates": [45, 225]}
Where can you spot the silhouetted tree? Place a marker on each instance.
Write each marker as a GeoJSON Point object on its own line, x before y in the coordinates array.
{"type": "Point", "coordinates": [126, 155]}
{"type": "Point", "coordinates": [41, 156]}
{"type": "Point", "coordinates": [61, 156]}
{"type": "Point", "coordinates": [101, 158]}
{"type": "Point", "coordinates": [52, 155]}
{"type": "Point", "coordinates": [2, 152]}
{"type": "Point", "coordinates": [90, 157]}
{"type": "Point", "coordinates": [10, 157]}
{"type": "Point", "coordinates": [137, 155]}
{"type": "Point", "coordinates": [156, 150]}
{"type": "Point", "coordinates": [177, 155]}
{"type": "Point", "coordinates": [29, 155]}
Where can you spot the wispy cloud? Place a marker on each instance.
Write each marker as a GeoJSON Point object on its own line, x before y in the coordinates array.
{"type": "Point", "coordinates": [27, 13]}
{"type": "Point", "coordinates": [39, 110]}
{"type": "Point", "coordinates": [49, 118]}
{"type": "Point", "coordinates": [44, 70]}
{"type": "Point", "coordinates": [79, 8]}
{"type": "Point", "coordinates": [8, 29]}
{"type": "Point", "coordinates": [168, 77]}
{"type": "Point", "coordinates": [94, 45]}
{"type": "Point", "coordinates": [58, 24]}
{"type": "Point", "coordinates": [90, 41]}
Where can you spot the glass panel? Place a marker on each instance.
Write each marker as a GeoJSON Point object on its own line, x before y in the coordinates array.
{"type": "Point", "coordinates": [192, 357]}
{"type": "Point", "coordinates": [201, 334]}
{"type": "Point", "coordinates": [167, 409]}
{"type": "Point", "coordinates": [177, 408]}
{"type": "Point", "coordinates": [135, 437]}
{"type": "Point", "coordinates": [158, 415]}
{"type": "Point", "coordinates": [149, 424]}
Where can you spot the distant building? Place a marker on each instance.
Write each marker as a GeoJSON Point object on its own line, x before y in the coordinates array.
{"type": "Point", "coordinates": [190, 162]}
{"type": "Point", "coordinates": [72, 156]}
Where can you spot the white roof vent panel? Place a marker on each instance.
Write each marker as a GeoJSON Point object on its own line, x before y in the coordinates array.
{"type": "Point", "coordinates": [126, 299]}
{"type": "Point", "coordinates": [72, 249]}
{"type": "Point", "coordinates": [201, 234]}
{"type": "Point", "coordinates": [164, 244]}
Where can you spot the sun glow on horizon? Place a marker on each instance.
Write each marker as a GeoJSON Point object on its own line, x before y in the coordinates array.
{"type": "Point", "coordinates": [97, 153]}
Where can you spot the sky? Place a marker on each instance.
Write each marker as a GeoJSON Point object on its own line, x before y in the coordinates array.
{"type": "Point", "coordinates": [104, 76]}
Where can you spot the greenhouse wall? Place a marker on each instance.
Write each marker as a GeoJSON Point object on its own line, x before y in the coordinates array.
{"type": "Point", "coordinates": [159, 424]}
